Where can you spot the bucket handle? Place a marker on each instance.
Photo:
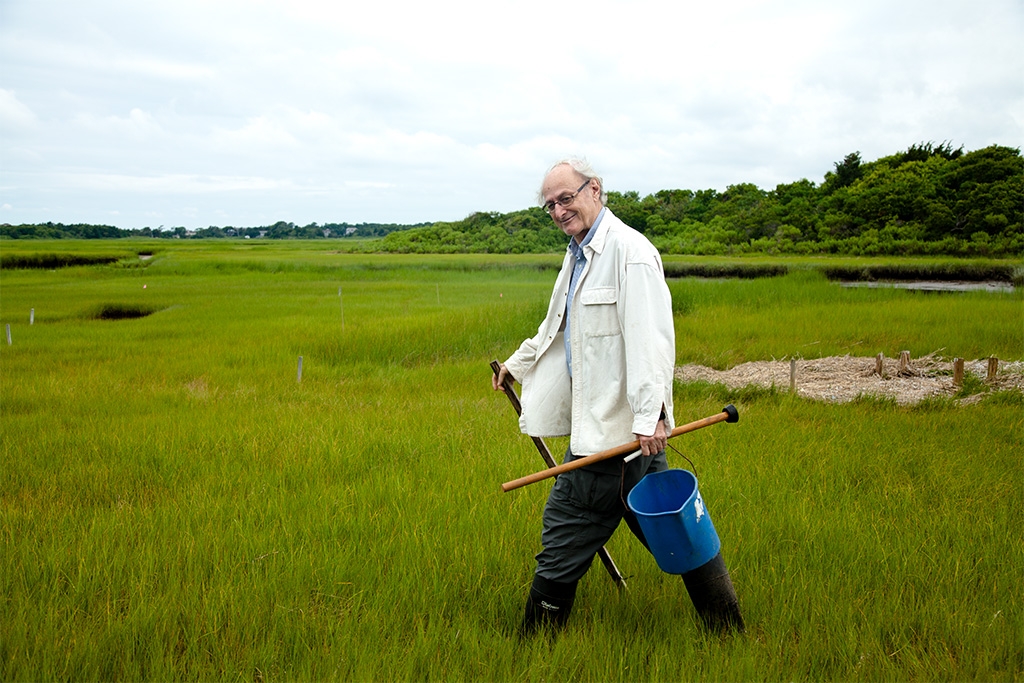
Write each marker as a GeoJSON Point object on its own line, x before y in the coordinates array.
{"type": "Point", "coordinates": [692, 466]}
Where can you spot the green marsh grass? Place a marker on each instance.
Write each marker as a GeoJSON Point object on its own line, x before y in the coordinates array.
{"type": "Point", "coordinates": [176, 505]}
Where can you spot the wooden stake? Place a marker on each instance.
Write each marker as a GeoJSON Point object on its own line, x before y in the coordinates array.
{"type": "Point", "coordinates": [8, 334]}
{"type": "Point", "coordinates": [993, 368]}
{"type": "Point", "coordinates": [300, 369]}
{"type": "Point", "coordinates": [549, 460]}
{"type": "Point", "coordinates": [792, 375]}
{"type": "Point", "coordinates": [904, 362]}
{"type": "Point", "coordinates": [958, 372]}
{"type": "Point", "coordinates": [878, 364]}
{"type": "Point", "coordinates": [340, 299]}
{"type": "Point", "coordinates": [32, 316]}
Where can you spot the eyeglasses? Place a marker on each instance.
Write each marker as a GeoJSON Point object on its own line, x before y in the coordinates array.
{"type": "Point", "coordinates": [566, 200]}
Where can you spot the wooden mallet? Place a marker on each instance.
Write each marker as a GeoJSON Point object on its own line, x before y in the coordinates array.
{"type": "Point", "coordinates": [728, 414]}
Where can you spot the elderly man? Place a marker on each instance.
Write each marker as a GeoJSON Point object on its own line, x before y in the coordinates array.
{"type": "Point", "coordinates": [599, 369]}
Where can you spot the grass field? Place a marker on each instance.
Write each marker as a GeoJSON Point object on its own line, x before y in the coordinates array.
{"type": "Point", "coordinates": [176, 504]}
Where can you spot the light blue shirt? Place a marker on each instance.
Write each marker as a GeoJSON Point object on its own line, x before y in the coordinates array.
{"type": "Point", "coordinates": [577, 270]}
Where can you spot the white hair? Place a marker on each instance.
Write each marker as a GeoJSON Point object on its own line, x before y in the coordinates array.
{"type": "Point", "coordinates": [585, 171]}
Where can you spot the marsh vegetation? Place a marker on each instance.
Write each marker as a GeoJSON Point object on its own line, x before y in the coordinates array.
{"type": "Point", "coordinates": [176, 505]}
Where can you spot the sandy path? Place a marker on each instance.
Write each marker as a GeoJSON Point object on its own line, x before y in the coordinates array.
{"type": "Point", "coordinates": [843, 378]}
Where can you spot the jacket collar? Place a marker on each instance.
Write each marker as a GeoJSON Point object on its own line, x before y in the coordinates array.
{"type": "Point", "coordinates": [594, 241]}
{"type": "Point", "coordinates": [604, 222]}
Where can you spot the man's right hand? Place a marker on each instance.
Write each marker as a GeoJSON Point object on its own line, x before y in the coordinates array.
{"type": "Point", "coordinates": [498, 380]}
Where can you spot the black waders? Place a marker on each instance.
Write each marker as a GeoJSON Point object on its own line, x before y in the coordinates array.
{"type": "Point", "coordinates": [549, 603]}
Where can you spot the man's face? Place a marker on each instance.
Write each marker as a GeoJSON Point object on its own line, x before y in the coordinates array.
{"type": "Point", "coordinates": [574, 220]}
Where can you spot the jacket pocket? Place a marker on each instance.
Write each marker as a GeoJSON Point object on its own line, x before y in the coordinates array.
{"type": "Point", "coordinates": [599, 315]}
{"type": "Point", "coordinates": [547, 393]}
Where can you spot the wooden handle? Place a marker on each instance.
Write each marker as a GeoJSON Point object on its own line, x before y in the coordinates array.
{"type": "Point", "coordinates": [507, 387]}
{"type": "Point", "coordinates": [728, 414]}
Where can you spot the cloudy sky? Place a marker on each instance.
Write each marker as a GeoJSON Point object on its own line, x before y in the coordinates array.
{"type": "Point", "coordinates": [193, 113]}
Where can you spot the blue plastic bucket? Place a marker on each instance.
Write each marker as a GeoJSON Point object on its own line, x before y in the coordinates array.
{"type": "Point", "coordinates": [674, 520]}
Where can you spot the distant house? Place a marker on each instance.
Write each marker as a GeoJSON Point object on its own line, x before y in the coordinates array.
{"type": "Point", "coordinates": [350, 231]}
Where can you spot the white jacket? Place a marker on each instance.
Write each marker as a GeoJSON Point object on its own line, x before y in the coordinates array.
{"type": "Point", "coordinates": [623, 347]}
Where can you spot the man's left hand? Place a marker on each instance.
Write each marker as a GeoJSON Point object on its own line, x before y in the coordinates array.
{"type": "Point", "coordinates": [656, 443]}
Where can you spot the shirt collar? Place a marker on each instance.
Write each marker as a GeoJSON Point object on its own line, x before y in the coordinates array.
{"type": "Point", "coordinates": [577, 248]}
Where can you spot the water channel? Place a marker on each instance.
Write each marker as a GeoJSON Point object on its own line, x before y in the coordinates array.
{"type": "Point", "coordinates": [937, 286]}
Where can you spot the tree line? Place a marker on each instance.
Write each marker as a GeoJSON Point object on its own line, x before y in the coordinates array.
{"type": "Point", "coordinates": [927, 200]}
{"type": "Point", "coordinates": [279, 230]}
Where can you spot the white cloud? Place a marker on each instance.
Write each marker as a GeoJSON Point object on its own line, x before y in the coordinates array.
{"type": "Point", "coordinates": [137, 125]}
{"type": "Point", "coordinates": [165, 184]}
{"type": "Point", "coordinates": [14, 115]}
{"type": "Point", "coordinates": [259, 132]}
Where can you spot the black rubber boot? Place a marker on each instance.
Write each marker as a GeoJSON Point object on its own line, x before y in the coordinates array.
{"type": "Point", "coordinates": [713, 595]}
{"type": "Point", "coordinates": [548, 604]}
